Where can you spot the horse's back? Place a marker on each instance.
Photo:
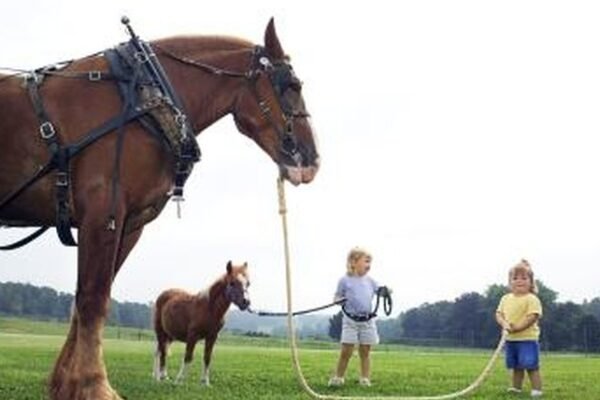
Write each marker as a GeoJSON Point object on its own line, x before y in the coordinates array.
{"type": "Point", "coordinates": [172, 315]}
{"type": "Point", "coordinates": [75, 107]}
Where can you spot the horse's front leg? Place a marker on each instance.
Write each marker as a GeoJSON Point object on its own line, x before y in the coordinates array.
{"type": "Point", "coordinates": [79, 373]}
{"type": "Point", "coordinates": [209, 344]}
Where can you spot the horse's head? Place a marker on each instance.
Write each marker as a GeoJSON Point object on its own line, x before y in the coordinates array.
{"type": "Point", "coordinates": [237, 282]}
{"type": "Point", "coordinates": [272, 112]}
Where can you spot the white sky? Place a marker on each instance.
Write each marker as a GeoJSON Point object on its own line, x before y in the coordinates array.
{"type": "Point", "coordinates": [456, 137]}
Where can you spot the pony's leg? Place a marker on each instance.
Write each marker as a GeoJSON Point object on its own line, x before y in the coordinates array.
{"type": "Point", "coordinates": [79, 373]}
{"type": "Point", "coordinates": [187, 360]}
{"type": "Point", "coordinates": [160, 358]}
{"type": "Point", "coordinates": [156, 370]}
{"type": "Point", "coordinates": [209, 344]}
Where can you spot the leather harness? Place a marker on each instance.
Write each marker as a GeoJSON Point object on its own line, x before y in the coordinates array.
{"type": "Point", "coordinates": [147, 96]}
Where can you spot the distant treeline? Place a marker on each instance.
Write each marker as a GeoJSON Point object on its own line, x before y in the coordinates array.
{"type": "Point", "coordinates": [25, 300]}
{"type": "Point", "coordinates": [467, 321]}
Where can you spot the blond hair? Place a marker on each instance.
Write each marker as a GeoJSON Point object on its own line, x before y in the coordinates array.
{"type": "Point", "coordinates": [523, 268]}
{"type": "Point", "coordinates": [354, 255]}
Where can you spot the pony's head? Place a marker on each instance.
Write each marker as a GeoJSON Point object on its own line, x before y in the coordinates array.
{"type": "Point", "coordinates": [237, 283]}
{"type": "Point", "coordinates": [273, 114]}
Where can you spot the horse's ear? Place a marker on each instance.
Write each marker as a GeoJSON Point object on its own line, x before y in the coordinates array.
{"type": "Point", "coordinates": [245, 266]}
{"type": "Point", "coordinates": [229, 267]}
{"type": "Point", "coordinates": [272, 42]}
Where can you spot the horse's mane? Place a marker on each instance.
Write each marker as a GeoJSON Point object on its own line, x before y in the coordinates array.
{"type": "Point", "coordinates": [199, 45]}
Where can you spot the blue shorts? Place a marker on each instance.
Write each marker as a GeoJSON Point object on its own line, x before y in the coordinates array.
{"type": "Point", "coordinates": [522, 354]}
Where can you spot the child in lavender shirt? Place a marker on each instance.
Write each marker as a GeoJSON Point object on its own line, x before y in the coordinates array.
{"type": "Point", "coordinates": [358, 326]}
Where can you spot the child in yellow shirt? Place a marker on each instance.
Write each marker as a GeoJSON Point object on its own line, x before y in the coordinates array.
{"type": "Point", "coordinates": [518, 313]}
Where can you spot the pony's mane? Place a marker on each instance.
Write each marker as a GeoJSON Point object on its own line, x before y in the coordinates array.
{"type": "Point", "coordinates": [222, 280]}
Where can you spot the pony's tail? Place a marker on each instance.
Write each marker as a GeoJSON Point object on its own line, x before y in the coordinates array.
{"type": "Point", "coordinates": [157, 322]}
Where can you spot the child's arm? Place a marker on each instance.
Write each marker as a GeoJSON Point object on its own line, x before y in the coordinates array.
{"type": "Point", "coordinates": [502, 321]}
{"type": "Point", "coordinates": [529, 320]}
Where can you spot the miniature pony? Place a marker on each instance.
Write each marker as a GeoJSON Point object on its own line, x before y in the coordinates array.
{"type": "Point", "coordinates": [189, 318]}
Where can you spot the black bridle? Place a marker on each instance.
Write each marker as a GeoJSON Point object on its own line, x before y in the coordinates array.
{"type": "Point", "coordinates": [284, 83]}
{"type": "Point", "coordinates": [235, 293]}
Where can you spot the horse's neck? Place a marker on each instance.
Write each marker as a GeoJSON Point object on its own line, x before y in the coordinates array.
{"type": "Point", "coordinates": [207, 97]}
{"type": "Point", "coordinates": [217, 301]}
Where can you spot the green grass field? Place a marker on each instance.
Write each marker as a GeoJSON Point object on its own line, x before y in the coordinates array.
{"type": "Point", "coordinates": [250, 368]}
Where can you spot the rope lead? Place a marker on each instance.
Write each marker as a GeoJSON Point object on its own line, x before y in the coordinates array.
{"type": "Point", "coordinates": [294, 349]}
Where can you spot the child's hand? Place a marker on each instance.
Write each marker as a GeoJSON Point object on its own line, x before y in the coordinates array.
{"type": "Point", "coordinates": [506, 326]}
{"type": "Point", "coordinates": [384, 291]}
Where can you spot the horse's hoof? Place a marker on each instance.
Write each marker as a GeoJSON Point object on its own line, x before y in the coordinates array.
{"type": "Point", "coordinates": [100, 391]}
{"type": "Point", "coordinates": [104, 392]}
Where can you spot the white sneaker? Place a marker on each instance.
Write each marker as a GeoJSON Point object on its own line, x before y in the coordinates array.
{"type": "Point", "coordinates": [335, 381]}
{"type": "Point", "coordinates": [364, 382]}
{"type": "Point", "coordinates": [513, 390]}
{"type": "Point", "coordinates": [536, 393]}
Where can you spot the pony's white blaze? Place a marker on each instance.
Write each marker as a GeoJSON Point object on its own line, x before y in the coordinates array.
{"type": "Point", "coordinates": [245, 281]}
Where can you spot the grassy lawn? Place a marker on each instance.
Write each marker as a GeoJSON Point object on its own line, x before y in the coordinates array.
{"type": "Point", "coordinates": [251, 368]}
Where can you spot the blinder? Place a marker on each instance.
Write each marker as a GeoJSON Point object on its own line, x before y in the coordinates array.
{"type": "Point", "coordinates": [287, 89]}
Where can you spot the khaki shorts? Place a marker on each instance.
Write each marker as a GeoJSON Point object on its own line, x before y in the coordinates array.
{"type": "Point", "coordinates": [354, 332]}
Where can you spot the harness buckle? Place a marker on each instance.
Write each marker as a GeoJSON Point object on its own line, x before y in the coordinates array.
{"type": "Point", "coordinates": [141, 57]}
{"type": "Point", "coordinates": [264, 107]}
{"type": "Point", "coordinates": [62, 179]}
{"type": "Point", "coordinates": [180, 118]}
{"type": "Point", "coordinates": [95, 76]}
{"type": "Point", "coordinates": [47, 130]}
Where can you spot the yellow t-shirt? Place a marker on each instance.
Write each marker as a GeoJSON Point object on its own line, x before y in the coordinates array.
{"type": "Point", "coordinates": [516, 308]}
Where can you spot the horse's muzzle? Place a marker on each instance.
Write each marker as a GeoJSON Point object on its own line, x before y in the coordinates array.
{"type": "Point", "coordinates": [244, 304]}
{"type": "Point", "coordinates": [299, 175]}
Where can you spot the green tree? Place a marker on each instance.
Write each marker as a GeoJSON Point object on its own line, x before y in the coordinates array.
{"type": "Point", "coordinates": [587, 333]}
{"type": "Point", "coordinates": [335, 326]}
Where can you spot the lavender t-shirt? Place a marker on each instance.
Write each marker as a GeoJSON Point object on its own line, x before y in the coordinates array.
{"type": "Point", "coordinates": [358, 291]}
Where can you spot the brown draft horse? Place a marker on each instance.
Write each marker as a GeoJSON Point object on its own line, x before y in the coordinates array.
{"type": "Point", "coordinates": [188, 318]}
{"type": "Point", "coordinates": [263, 109]}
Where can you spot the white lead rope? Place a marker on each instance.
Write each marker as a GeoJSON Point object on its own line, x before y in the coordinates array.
{"type": "Point", "coordinates": [292, 333]}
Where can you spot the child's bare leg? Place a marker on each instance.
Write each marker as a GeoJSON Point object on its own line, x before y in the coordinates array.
{"type": "Point", "coordinates": [535, 378]}
{"type": "Point", "coordinates": [365, 360]}
{"type": "Point", "coordinates": [345, 355]}
{"type": "Point", "coordinates": [517, 378]}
